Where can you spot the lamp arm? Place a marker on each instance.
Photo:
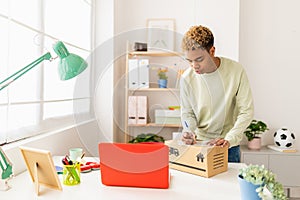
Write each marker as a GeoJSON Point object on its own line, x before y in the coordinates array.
{"type": "Point", "coordinates": [6, 82]}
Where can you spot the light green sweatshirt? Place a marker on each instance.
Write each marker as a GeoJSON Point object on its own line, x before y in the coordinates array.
{"type": "Point", "coordinates": [217, 104]}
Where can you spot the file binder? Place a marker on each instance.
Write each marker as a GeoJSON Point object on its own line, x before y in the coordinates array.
{"type": "Point", "coordinates": [132, 103]}
{"type": "Point", "coordinates": [137, 109]}
{"type": "Point", "coordinates": [138, 73]}
{"type": "Point", "coordinates": [133, 74]}
{"type": "Point", "coordinates": [141, 110]}
{"type": "Point", "coordinates": [143, 77]}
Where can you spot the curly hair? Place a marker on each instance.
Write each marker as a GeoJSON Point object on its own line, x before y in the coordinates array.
{"type": "Point", "coordinates": [197, 37]}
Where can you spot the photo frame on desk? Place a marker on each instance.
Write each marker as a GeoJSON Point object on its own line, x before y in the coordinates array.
{"type": "Point", "coordinates": [161, 34]}
{"type": "Point", "coordinates": [41, 168]}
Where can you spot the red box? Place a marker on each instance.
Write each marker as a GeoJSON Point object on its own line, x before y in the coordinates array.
{"type": "Point", "coordinates": [134, 165]}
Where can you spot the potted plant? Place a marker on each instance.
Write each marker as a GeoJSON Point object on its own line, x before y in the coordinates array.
{"type": "Point", "coordinates": [149, 137]}
{"type": "Point", "coordinates": [263, 181]}
{"type": "Point", "coordinates": [253, 133]}
{"type": "Point", "coordinates": [162, 77]}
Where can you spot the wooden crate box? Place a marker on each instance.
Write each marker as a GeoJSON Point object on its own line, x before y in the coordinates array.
{"type": "Point", "coordinates": [202, 160]}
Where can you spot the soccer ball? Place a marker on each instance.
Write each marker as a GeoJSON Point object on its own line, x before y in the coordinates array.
{"type": "Point", "coordinates": [284, 138]}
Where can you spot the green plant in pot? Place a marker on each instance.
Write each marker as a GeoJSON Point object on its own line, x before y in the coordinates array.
{"type": "Point", "coordinates": [253, 133]}
{"type": "Point", "coordinates": [264, 181]}
{"type": "Point", "coordinates": [149, 137]}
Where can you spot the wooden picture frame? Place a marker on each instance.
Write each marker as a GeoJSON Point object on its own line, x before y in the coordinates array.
{"type": "Point", "coordinates": [41, 168]}
{"type": "Point", "coordinates": [160, 34]}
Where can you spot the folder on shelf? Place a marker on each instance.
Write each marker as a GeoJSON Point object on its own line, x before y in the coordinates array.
{"type": "Point", "coordinates": [133, 74]}
{"type": "Point", "coordinates": [137, 109]}
{"type": "Point", "coordinates": [141, 110]}
{"type": "Point", "coordinates": [132, 115]}
{"type": "Point", "coordinates": [138, 73]}
{"type": "Point", "coordinates": [143, 77]}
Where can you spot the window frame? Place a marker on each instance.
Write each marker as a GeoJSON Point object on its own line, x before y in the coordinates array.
{"type": "Point", "coordinates": [42, 125]}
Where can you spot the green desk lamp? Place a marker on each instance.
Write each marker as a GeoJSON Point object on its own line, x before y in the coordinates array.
{"type": "Point", "coordinates": [70, 65]}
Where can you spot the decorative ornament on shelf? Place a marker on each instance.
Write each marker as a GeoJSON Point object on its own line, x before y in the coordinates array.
{"type": "Point", "coordinates": [162, 77]}
{"type": "Point", "coordinates": [257, 182]}
{"type": "Point", "coordinates": [253, 133]}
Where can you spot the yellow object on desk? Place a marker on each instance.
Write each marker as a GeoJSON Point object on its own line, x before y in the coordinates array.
{"type": "Point", "coordinates": [71, 174]}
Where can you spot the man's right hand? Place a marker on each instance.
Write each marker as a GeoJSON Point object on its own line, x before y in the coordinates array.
{"type": "Point", "coordinates": [188, 138]}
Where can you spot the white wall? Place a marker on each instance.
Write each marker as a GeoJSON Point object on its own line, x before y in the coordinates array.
{"type": "Point", "coordinates": [221, 16]}
{"type": "Point", "coordinates": [269, 50]}
{"type": "Point", "coordinates": [103, 70]}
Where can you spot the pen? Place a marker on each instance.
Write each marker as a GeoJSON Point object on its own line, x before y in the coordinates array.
{"type": "Point", "coordinates": [186, 124]}
{"type": "Point", "coordinates": [82, 155]}
{"type": "Point", "coordinates": [69, 160]}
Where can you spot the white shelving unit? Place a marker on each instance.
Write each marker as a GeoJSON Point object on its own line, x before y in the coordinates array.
{"type": "Point", "coordinates": [157, 98]}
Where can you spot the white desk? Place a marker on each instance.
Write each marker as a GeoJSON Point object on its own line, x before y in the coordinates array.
{"type": "Point", "coordinates": [183, 186]}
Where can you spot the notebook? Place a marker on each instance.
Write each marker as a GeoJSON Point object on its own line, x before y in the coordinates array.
{"type": "Point", "coordinates": [134, 165]}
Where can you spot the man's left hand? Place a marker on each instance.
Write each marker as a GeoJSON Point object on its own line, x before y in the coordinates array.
{"type": "Point", "coordinates": [219, 142]}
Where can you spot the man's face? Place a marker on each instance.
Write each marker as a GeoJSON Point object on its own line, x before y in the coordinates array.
{"type": "Point", "coordinates": [201, 61]}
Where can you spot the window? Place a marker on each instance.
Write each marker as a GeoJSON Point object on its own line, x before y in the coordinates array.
{"type": "Point", "coordinates": [39, 101]}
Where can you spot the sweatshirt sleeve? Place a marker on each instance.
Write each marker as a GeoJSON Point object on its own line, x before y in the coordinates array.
{"type": "Point", "coordinates": [188, 116]}
{"type": "Point", "coordinates": [244, 103]}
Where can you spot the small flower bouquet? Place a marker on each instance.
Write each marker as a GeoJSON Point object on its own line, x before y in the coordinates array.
{"type": "Point", "coordinates": [162, 73]}
{"type": "Point", "coordinates": [265, 179]}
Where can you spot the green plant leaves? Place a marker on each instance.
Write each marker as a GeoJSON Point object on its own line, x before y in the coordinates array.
{"type": "Point", "coordinates": [149, 137]}
{"type": "Point", "coordinates": [255, 129]}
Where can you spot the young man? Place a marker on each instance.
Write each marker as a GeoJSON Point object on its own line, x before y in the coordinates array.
{"type": "Point", "coordinates": [216, 99]}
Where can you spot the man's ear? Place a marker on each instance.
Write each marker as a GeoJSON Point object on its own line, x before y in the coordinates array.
{"type": "Point", "coordinates": [212, 51]}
